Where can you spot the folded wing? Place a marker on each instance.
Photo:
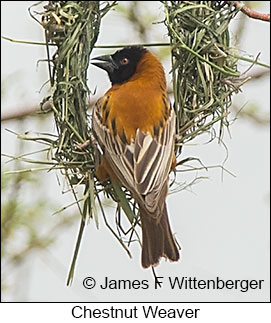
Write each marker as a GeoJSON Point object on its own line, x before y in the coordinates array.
{"type": "Point", "coordinates": [142, 165]}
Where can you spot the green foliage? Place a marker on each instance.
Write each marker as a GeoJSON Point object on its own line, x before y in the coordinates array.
{"type": "Point", "coordinates": [20, 221]}
{"type": "Point", "coordinates": [24, 224]}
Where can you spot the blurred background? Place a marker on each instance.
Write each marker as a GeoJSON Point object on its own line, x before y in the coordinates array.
{"type": "Point", "coordinates": [222, 222]}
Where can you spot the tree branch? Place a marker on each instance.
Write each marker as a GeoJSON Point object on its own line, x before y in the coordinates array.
{"type": "Point", "coordinates": [249, 12]}
{"type": "Point", "coordinates": [34, 111]}
{"type": "Point", "coordinates": [21, 113]}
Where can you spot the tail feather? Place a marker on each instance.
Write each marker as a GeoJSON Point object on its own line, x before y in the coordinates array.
{"type": "Point", "coordinates": [157, 239]}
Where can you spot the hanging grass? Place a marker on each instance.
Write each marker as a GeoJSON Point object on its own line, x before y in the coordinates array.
{"type": "Point", "coordinates": [204, 69]}
{"type": "Point", "coordinates": [73, 28]}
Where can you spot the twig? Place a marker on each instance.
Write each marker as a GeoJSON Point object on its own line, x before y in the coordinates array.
{"type": "Point", "coordinates": [96, 46]}
{"type": "Point", "coordinates": [21, 113]}
{"type": "Point", "coordinates": [34, 111]}
{"type": "Point", "coordinates": [133, 44]}
{"type": "Point", "coordinates": [249, 60]}
{"type": "Point", "coordinates": [259, 74]}
{"type": "Point", "coordinates": [249, 12]}
{"type": "Point", "coordinates": [25, 41]}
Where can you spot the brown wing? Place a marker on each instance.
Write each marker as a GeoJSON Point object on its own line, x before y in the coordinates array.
{"type": "Point", "coordinates": [144, 164]}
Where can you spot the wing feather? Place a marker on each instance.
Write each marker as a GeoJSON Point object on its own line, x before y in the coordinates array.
{"type": "Point", "coordinates": [144, 164]}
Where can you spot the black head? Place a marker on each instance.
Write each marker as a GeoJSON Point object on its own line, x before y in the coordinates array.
{"type": "Point", "coordinates": [121, 65]}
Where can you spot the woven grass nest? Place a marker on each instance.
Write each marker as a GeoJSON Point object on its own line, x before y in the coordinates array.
{"type": "Point", "coordinates": [204, 66]}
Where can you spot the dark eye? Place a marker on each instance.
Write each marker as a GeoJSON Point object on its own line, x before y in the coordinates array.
{"type": "Point", "coordinates": [124, 61]}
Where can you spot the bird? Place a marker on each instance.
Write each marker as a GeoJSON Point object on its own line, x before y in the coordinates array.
{"type": "Point", "coordinates": [134, 125]}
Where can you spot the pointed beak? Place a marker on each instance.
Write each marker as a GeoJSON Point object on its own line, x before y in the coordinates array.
{"type": "Point", "coordinates": [105, 62]}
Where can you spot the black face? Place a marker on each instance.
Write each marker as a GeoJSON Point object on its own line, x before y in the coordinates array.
{"type": "Point", "coordinates": [121, 65]}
